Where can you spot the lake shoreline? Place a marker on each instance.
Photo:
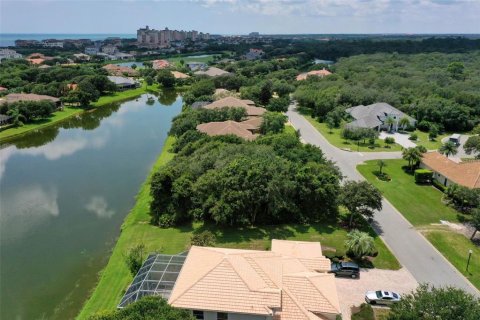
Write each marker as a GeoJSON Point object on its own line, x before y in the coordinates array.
{"type": "Point", "coordinates": [104, 100]}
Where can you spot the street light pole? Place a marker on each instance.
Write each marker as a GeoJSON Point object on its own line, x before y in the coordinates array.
{"type": "Point", "coordinates": [469, 256]}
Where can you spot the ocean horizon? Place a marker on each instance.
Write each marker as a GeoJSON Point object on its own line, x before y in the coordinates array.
{"type": "Point", "coordinates": [8, 39]}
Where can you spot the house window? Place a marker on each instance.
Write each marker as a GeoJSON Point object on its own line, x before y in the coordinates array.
{"type": "Point", "coordinates": [198, 315]}
{"type": "Point", "coordinates": [222, 316]}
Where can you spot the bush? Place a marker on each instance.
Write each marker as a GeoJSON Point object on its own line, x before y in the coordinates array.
{"type": "Point", "coordinates": [413, 136]}
{"type": "Point", "coordinates": [203, 239]}
{"type": "Point", "coordinates": [389, 140]}
{"type": "Point", "coordinates": [438, 185]}
{"type": "Point", "coordinates": [365, 313]}
{"type": "Point", "coordinates": [166, 221]}
{"type": "Point", "coordinates": [423, 176]}
{"type": "Point", "coordinates": [134, 258]}
{"type": "Point", "coordinates": [463, 198]}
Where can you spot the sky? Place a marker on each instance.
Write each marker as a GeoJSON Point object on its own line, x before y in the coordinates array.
{"type": "Point", "coordinates": [241, 16]}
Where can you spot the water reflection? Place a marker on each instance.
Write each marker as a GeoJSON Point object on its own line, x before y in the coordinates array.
{"type": "Point", "coordinates": [65, 191]}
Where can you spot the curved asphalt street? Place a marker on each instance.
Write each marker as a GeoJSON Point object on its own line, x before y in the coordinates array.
{"type": "Point", "coordinates": [412, 250]}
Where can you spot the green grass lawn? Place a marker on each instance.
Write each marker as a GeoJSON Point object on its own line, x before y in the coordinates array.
{"type": "Point", "coordinates": [455, 248]}
{"type": "Point", "coordinates": [40, 123]}
{"type": "Point", "coordinates": [420, 204]}
{"type": "Point", "coordinates": [71, 111]}
{"type": "Point", "coordinates": [334, 136]}
{"type": "Point", "coordinates": [423, 140]}
{"type": "Point", "coordinates": [176, 60]}
{"type": "Point", "coordinates": [115, 278]}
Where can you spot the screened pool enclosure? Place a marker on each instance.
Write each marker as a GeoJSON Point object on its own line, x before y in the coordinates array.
{"type": "Point", "coordinates": [156, 277]}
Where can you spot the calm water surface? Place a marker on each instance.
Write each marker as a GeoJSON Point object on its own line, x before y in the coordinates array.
{"type": "Point", "coordinates": [64, 193]}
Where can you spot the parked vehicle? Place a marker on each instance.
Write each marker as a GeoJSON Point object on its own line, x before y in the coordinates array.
{"type": "Point", "coordinates": [455, 138]}
{"type": "Point", "coordinates": [381, 297]}
{"type": "Point", "coordinates": [345, 269]}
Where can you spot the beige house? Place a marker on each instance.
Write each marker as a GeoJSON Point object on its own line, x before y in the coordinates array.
{"type": "Point", "coordinates": [447, 171]}
{"type": "Point", "coordinates": [239, 129]}
{"type": "Point", "coordinates": [212, 72]}
{"type": "Point", "coordinates": [233, 102]}
{"type": "Point", "coordinates": [317, 73]}
{"type": "Point", "coordinates": [290, 282]}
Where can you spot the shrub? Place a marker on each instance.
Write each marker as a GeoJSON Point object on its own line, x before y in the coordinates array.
{"type": "Point", "coordinates": [203, 239]}
{"type": "Point", "coordinates": [463, 198]}
{"type": "Point", "coordinates": [423, 176]}
{"type": "Point", "coordinates": [134, 258]}
{"type": "Point", "coordinates": [389, 140]}
{"type": "Point", "coordinates": [413, 136]}
{"type": "Point", "coordinates": [438, 185]}
{"type": "Point", "coordinates": [166, 221]}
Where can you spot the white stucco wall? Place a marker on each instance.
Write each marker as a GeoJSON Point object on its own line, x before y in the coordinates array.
{"type": "Point", "coordinates": [437, 176]}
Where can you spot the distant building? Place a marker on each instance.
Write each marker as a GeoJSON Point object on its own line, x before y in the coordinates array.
{"type": "Point", "coordinates": [81, 56]}
{"type": "Point", "coordinates": [116, 70]}
{"type": "Point", "coordinates": [160, 64]}
{"type": "Point", "coordinates": [212, 72]}
{"type": "Point", "coordinates": [194, 66]}
{"type": "Point", "coordinates": [91, 50]}
{"type": "Point", "coordinates": [109, 49]}
{"type": "Point", "coordinates": [254, 34]}
{"type": "Point", "coordinates": [52, 43]}
{"type": "Point", "coordinates": [123, 83]}
{"type": "Point", "coordinates": [180, 75]}
{"type": "Point", "coordinates": [151, 38]}
{"type": "Point", "coordinates": [9, 54]}
{"type": "Point", "coordinates": [16, 97]}
{"type": "Point", "coordinates": [318, 73]}
{"type": "Point", "coordinates": [254, 54]}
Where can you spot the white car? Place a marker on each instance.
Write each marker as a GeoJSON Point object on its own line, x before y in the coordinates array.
{"type": "Point", "coordinates": [381, 297]}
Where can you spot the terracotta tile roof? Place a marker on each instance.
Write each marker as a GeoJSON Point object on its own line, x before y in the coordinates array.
{"type": "Point", "coordinates": [15, 97]}
{"type": "Point", "coordinates": [228, 127]}
{"type": "Point", "coordinates": [235, 102]}
{"type": "Point", "coordinates": [464, 173]}
{"type": "Point", "coordinates": [3, 89]}
{"type": "Point", "coordinates": [72, 86]}
{"type": "Point", "coordinates": [180, 75]}
{"type": "Point", "coordinates": [116, 70]}
{"type": "Point", "coordinates": [212, 72]}
{"type": "Point", "coordinates": [160, 64]}
{"type": "Point", "coordinates": [255, 122]}
{"type": "Point", "coordinates": [255, 282]}
{"type": "Point", "coordinates": [36, 60]}
{"type": "Point", "coordinates": [320, 73]}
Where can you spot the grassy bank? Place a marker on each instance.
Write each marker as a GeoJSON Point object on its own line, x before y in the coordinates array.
{"type": "Point", "coordinates": [136, 229]}
{"type": "Point", "coordinates": [68, 112]}
{"type": "Point", "coordinates": [334, 136]}
{"type": "Point", "coordinates": [422, 206]}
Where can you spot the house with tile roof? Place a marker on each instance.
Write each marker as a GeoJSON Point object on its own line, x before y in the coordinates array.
{"type": "Point", "coordinates": [239, 129]}
{"type": "Point", "coordinates": [232, 102]}
{"type": "Point", "coordinates": [160, 64]}
{"type": "Point", "coordinates": [212, 72]}
{"type": "Point", "coordinates": [447, 172]}
{"type": "Point", "coordinates": [374, 116]}
{"type": "Point", "coordinates": [317, 73]}
{"type": "Point", "coordinates": [17, 97]}
{"type": "Point", "coordinates": [116, 70]}
{"type": "Point", "coordinates": [290, 282]}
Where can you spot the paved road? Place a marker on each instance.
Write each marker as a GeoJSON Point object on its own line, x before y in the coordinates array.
{"type": "Point", "coordinates": [413, 251]}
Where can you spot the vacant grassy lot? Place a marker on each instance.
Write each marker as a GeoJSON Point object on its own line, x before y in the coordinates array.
{"type": "Point", "coordinates": [136, 229]}
{"type": "Point", "coordinates": [334, 136]}
{"type": "Point", "coordinates": [455, 248]}
{"type": "Point", "coordinates": [420, 204]}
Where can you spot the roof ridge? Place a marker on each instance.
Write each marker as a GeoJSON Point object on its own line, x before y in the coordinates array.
{"type": "Point", "coordinates": [297, 303]}
{"type": "Point", "coordinates": [199, 279]}
{"type": "Point", "coordinates": [319, 291]}
{"type": "Point", "coordinates": [262, 273]}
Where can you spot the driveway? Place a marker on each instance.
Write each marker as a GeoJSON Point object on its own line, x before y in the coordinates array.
{"type": "Point", "coordinates": [461, 152]}
{"type": "Point", "coordinates": [400, 138]}
{"type": "Point", "coordinates": [352, 292]}
{"type": "Point", "coordinates": [412, 250]}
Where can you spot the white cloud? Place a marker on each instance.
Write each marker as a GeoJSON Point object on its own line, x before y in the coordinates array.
{"type": "Point", "coordinates": [99, 206]}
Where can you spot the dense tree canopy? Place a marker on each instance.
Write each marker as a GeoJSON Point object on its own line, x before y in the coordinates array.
{"type": "Point", "coordinates": [426, 86]}
{"type": "Point", "coordinates": [231, 182]}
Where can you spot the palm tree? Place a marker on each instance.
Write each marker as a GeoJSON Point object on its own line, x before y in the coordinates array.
{"type": "Point", "coordinates": [448, 149]}
{"type": "Point", "coordinates": [404, 122]}
{"type": "Point", "coordinates": [359, 244]}
{"type": "Point", "coordinates": [390, 122]}
{"type": "Point", "coordinates": [412, 155]}
{"type": "Point", "coordinates": [381, 164]}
